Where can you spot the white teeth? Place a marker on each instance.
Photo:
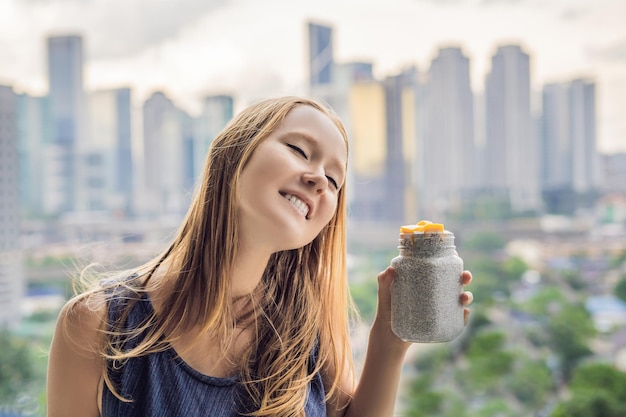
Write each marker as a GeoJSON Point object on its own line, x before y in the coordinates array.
{"type": "Point", "coordinates": [299, 204]}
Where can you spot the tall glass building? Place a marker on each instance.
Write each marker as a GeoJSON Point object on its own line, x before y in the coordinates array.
{"type": "Point", "coordinates": [164, 146]}
{"type": "Point", "coordinates": [67, 103]}
{"type": "Point", "coordinates": [512, 149]}
{"type": "Point", "coordinates": [11, 274]}
{"type": "Point", "coordinates": [320, 54]}
{"type": "Point", "coordinates": [106, 183]}
{"type": "Point", "coordinates": [447, 135]}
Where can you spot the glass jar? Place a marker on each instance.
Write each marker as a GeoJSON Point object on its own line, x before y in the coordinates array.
{"type": "Point", "coordinates": [426, 293]}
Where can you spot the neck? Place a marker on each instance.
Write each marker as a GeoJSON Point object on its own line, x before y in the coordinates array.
{"type": "Point", "coordinates": [248, 269]}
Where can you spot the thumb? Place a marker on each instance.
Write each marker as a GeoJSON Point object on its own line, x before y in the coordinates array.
{"type": "Point", "coordinates": [385, 279]}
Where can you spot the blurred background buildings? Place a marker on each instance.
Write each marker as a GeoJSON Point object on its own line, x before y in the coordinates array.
{"type": "Point", "coordinates": [422, 145]}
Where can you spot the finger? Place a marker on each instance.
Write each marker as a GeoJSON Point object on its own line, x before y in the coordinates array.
{"type": "Point", "coordinates": [466, 314]}
{"type": "Point", "coordinates": [467, 298]}
{"type": "Point", "coordinates": [466, 277]}
{"type": "Point", "coordinates": [385, 279]}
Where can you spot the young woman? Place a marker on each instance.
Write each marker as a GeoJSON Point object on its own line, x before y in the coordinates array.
{"type": "Point", "coordinates": [246, 313]}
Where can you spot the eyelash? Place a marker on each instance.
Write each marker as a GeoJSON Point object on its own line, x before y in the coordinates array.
{"type": "Point", "coordinates": [299, 150]}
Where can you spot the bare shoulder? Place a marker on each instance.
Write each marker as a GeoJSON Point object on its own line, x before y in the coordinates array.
{"type": "Point", "coordinates": [80, 321]}
{"type": "Point", "coordinates": [75, 365]}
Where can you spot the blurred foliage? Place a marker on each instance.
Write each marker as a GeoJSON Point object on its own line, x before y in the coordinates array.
{"type": "Point", "coordinates": [570, 330]}
{"type": "Point", "coordinates": [65, 261]}
{"type": "Point", "coordinates": [619, 259]}
{"type": "Point", "coordinates": [484, 242]}
{"type": "Point", "coordinates": [488, 362]}
{"type": "Point", "coordinates": [15, 366]}
{"type": "Point", "coordinates": [531, 383]}
{"type": "Point", "coordinates": [18, 370]}
{"type": "Point", "coordinates": [620, 289]}
{"type": "Point", "coordinates": [596, 390]}
{"type": "Point", "coordinates": [483, 206]}
{"type": "Point", "coordinates": [365, 296]}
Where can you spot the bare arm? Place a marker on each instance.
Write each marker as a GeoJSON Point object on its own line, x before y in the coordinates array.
{"type": "Point", "coordinates": [74, 369]}
{"type": "Point", "coordinates": [376, 392]}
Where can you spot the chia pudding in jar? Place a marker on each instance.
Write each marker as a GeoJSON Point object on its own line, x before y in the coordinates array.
{"type": "Point", "coordinates": [426, 293]}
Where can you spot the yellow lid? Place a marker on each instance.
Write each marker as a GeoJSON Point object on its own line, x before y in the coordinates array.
{"type": "Point", "coordinates": [408, 228]}
{"type": "Point", "coordinates": [434, 227]}
{"type": "Point", "coordinates": [422, 226]}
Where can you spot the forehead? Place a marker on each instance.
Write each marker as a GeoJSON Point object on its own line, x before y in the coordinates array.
{"type": "Point", "coordinates": [311, 123]}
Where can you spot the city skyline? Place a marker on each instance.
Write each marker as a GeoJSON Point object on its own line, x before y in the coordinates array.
{"type": "Point", "coordinates": [223, 47]}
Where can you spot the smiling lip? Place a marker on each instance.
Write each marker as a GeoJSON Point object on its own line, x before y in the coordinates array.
{"type": "Point", "coordinates": [302, 205]}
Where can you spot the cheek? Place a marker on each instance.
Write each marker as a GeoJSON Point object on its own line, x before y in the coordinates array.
{"type": "Point", "coordinates": [330, 209]}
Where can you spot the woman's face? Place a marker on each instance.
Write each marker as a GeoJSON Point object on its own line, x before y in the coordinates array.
{"type": "Point", "coordinates": [289, 188]}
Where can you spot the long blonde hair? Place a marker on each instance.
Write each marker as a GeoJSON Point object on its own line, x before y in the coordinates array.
{"type": "Point", "coordinates": [304, 303]}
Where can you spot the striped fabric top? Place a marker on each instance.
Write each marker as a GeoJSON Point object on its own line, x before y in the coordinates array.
{"type": "Point", "coordinates": [162, 384]}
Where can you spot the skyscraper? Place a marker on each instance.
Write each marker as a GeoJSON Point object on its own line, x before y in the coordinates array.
{"type": "Point", "coordinates": [65, 75]}
{"type": "Point", "coordinates": [556, 144]}
{"type": "Point", "coordinates": [447, 135]}
{"type": "Point", "coordinates": [217, 111]}
{"type": "Point", "coordinates": [401, 136]}
{"type": "Point", "coordinates": [367, 128]}
{"type": "Point", "coordinates": [322, 68]}
{"type": "Point", "coordinates": [321, 61]}
{"type": "Point", "coordinates": [165, 182]}
{"type": "Point", "coordinates": [569, 154]}
{"type": "Point", "coordinates": [33, 130]}
{"type": "Point", "coordinates": [512, 148]}
{"type": "Point", "coordinates": [106, 157]}
{"type": "Point", "coordinates": [11, 276]}
{"type": "Point", "coordinates": [582, 100]}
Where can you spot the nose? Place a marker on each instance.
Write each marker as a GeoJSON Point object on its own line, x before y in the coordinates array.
{"type": "Point", "coordinates": [316, 179]}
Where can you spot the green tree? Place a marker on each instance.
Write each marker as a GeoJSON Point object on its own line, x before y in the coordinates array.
{"type": "Point", "coordinates": [488, 363]}
{"type": "Point", "coordinates": [570, 330]}
{"type": "Point", "coordinates": [618, 259]}
{"type": "Point", "coordinates": [495, 407]}
{"type": "Point", "coordinates": [424, 399]}
{"type": "Point", "coordinates": [597, 390]}
{"type": "Point", "coordinates": [514, 267]}
{"type": "Point", "coordinates": [365, 296]}
{"type": "Point", "coordinates": [594, 376]}
{"type": "Point", "coordinates": [16, 367]}
{"type": "Point", "coordinates": [488, 279]}
{"type": "Point", "coordinates": [485, 242]}
{"type": "Point", "coordinates": [545, 299]}
{"type": "Point", "coordinates": [620, 289]}
{"type": "Point", "coordinates": [531, 383]}
{"type": "Point", "coordinates": [589, 403]}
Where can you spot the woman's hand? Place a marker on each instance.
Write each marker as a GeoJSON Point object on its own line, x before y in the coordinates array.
{"type": "Point", "coordinates": [377, 390]}
{"type": "Point", "coordinates": [382, 323]}
{"type": "Point", "coordinates": [467, 297]}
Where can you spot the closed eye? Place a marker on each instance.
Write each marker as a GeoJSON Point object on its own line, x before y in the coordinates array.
{"type": "Point", "coordinates": [299, 150]}
{"type": "Point", "coordinates": [333, 182]}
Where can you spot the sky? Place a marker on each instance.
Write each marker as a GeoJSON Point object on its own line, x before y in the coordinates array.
{"type": "Point", "coordinates": [258, 48]}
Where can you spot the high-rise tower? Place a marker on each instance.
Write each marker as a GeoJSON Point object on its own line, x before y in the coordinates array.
{"type": "Point", "coordinates": [11, 275]}
{"type": "Point", "coordinates": [582, 103]}
{"type": "Point", "coordinates": [401, 137]}
{"type": "Point", "coordinates": [512, 148]}
{"type": "Point", "coordinates": [164, 157]}
{"type": "Point", "coordinates": [556, 144]}
{"type": "Point", "coordinates": [33, 130]}
{"type": "Point", "coordinates": [217, 110]}
{"type": "Point", "coordinates": [447, 135]}
{"type": "Point", "coordinates": [106, 182]}
{"type": "Point", "coordinates": [321, 60]}
{"type": "Point", "coordinates": [67, 103]}
{"type": "Point", "coordinates": [322, 69]}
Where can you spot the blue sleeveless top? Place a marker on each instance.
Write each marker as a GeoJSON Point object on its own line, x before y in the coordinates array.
{"type": "Point", "coordinates": [162, 384]}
